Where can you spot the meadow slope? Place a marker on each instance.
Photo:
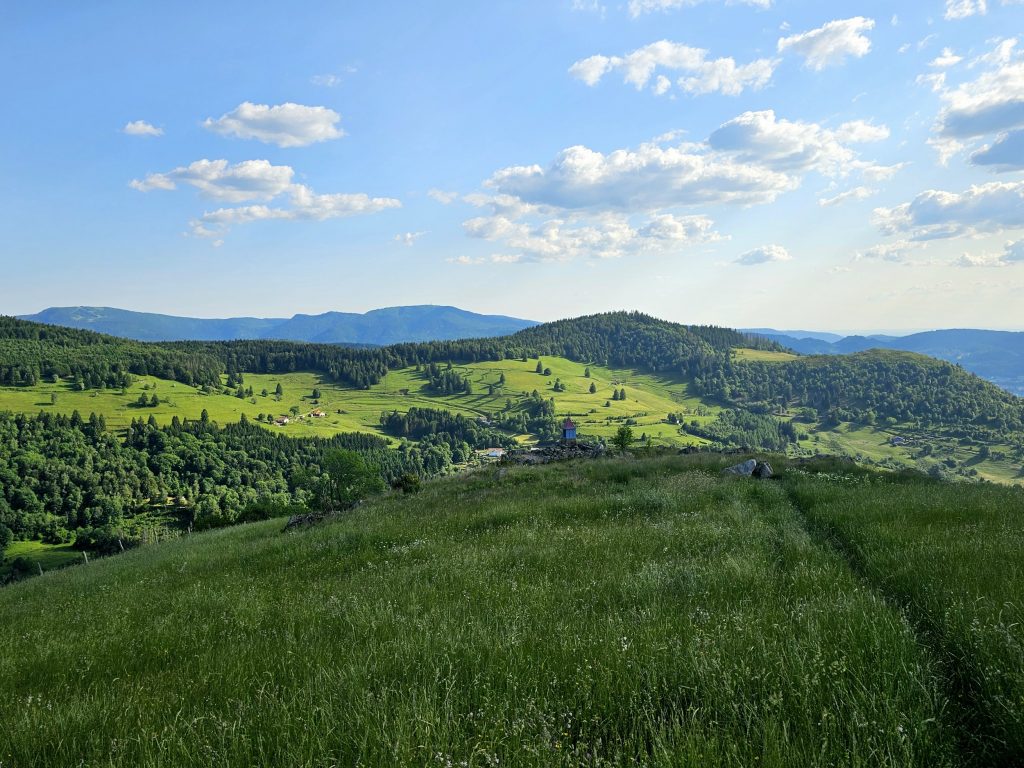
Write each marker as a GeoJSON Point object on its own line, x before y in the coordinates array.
{"type": "Point", "coordinates": [618, 612]}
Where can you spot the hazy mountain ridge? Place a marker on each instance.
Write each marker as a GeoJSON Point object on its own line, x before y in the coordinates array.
{"type": "Point", "coordinates": [997, 356]}
{"type": "Point", "coordinates": [388, 325]}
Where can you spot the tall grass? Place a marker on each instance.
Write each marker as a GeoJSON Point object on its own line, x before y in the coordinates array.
{"type": "Point", "coordinates": [954, 556]}
{"type": "Point", "coordinates": [603, 614]}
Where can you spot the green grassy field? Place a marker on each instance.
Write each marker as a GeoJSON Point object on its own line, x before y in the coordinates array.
{"type": "Point", "coordinates": [952, 557]}
{"type": "Point", "coordinates": [47, 556]}
{"type": "Point", "coordinates": [618, 612]}
{"type": "Point", "coordinates": [649, 399]}
{"type": "Point", "coordinates": [762, 355]}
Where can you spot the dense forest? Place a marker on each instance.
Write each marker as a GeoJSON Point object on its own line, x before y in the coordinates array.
{"type": "Point", "coordinates": [874, 387]}
{"type": "Point", "coordinates": [30, 352]}
{"type": "Point", "coordinates": [65, 474]}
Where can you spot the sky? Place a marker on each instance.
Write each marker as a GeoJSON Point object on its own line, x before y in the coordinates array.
{"type": "Point", "coordinates": [748, 163]}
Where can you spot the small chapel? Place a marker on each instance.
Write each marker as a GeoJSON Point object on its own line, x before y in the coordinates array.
{"type": "Point", "coordinates": [568, 431]}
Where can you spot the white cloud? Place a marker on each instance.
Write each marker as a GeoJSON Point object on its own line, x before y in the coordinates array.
{"type": "Point", "coordinates": [305, 205]}
{"type": "Point", "coordinates": [141, 128]}
{"type": "Point", "coordinates": [876, 173]}
{"type": "Point", "coordinates": [861, 132]}
{"type": "Point", "coordinates": [831, 44]}
{"type": "Point", "coordinates": [1006, 153]}
{"type": "Point", "coordinates": [703, 75]}
{"type": "Point", "coordinates": [589, 202]}
{"type": "Point", "coordinates": [442, 196]}
{"type": "Point", "coordinates": [763, 255]}
{"type": "Point", "coordinates": [286, 125]}
{"type": "Point", "coordinates": [257, 180]}
{"type": "Point", "coordinates": [945, 59]}
{"type": "Point", "coordinates": [787, 145]}
{"type": "Point", "coordinates": [857, 193]}
{"type": "Point", "coordinates": [409, 239]}
{"type": "Point", "coordinates": [1012, 255]}
{"type": "Point", "coordinates": [993, 102]}
{"type": "Point", "coordinates": [897, 252]}
{"type": "Point", "coordinates": [1002, 54]}
{"type": "Point", "coordinates": [934, 214]}
{"type": "Point", "coordinates": [603, 235]}
{"type": "Point", "coordinates": [248, 180]}
{"type": "Point", "coordinates": [648, 178]}
{"type": "Point", "coordinates": [639, 7]}
{"type": "Point", "coordinates": [962, 9]}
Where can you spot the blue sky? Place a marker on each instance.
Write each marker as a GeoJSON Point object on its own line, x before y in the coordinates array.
{"type": "Point", "coordinates": [842, 165]}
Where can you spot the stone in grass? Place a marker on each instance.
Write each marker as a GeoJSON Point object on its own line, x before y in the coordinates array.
{"type": "Point", "coordinates": [746, 469]}
{"type": "Point", "coordinates": [763, 470]}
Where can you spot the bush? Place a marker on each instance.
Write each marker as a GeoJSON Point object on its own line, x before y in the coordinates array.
{"type": "Point", "coordinates": [408, 483]}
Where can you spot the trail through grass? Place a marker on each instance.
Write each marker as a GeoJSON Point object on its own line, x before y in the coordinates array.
{"type": "Point", "coordinates": [952, 555]}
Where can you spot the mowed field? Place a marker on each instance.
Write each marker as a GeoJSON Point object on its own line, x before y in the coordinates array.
{"type": "Point", "coordinates": [649, 399]}
{"type": "Point", "coordinates": [608, 613]}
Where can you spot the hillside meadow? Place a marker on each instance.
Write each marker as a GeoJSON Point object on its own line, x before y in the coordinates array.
{"type": "Point", "coordinates": [617, 612]}
{"type": "Point", "coordinates": [650, 397]}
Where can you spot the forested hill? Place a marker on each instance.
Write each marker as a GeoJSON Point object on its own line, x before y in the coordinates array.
{"type": "Point", "coordinates": [874, 387]}
{"type": "Point", "coordinates": [862, 388]}
{"type": "Point", "coordinates": [29, 351]}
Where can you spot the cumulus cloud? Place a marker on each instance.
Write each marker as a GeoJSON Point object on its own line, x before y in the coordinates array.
{"type": "Point", "coordinates": [763, 255]}
{"type": "Point", "coordinates": [1011, 255]}
{"type": "Point", "coordinates": [409, 239]}
{"type": "Point", "coordinates": [286, 125]}
{"type": "Point", "coordinates": [248, 180]}
{"type": "Point", "coordinates": [603, 235]}
{"type": "Point", "coordinates": [831, 44]}
{"type": "Point", "coordinates": [788, 145]}
{"type": "Point", "coordinates": [256, 180]}
{"type": "Point", "coordinates": [945, 59]}
{"type": "Point", "coordinates": [141, 128]}
{"type": "Point", "coordinates": [962, 9]}
{"type": "Point", "coordinates": [640, 7]}
{"type": "Point", "coordinates": [933, 214]}
{"type": "Point", "coordinates": [628, 200]}
{"type": "Point", "coordinates": [646, 178]}
{"type": "Point", "coordinates": [991, 103]}
{"type": "Point", "coordinates": [857, 193]}
{"type": "Point", "coordinates": [1006, 153]}
{"type": "Point", "coordinates": [305, 205]}
{"type": "Point", "coordinates": [702, 75]}
{"type": "Point", "coordinates": [861, 132]}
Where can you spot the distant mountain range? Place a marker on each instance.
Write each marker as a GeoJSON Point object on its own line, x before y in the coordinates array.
{"type": "Point", "coordinates": [994, 355]}
{"type": "Point", "coordinates": [391, 325]}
